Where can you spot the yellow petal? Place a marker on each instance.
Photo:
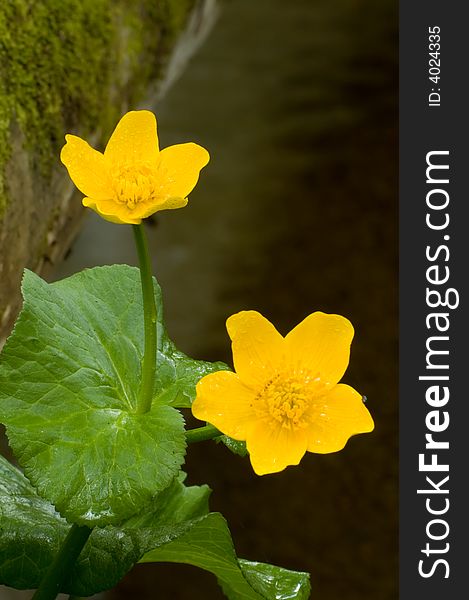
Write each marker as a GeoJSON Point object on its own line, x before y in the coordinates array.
{"type": "Point", "coordinates": [145, 210]}
{"type": "Point", "coordinates": [222, 400]}
{"type": "Point", "coordinates": [134, 140]}
{"type": "Point", "coordinates": [117, 212]}
{"type": "Point", "coordinates": [86, 167]}
{"type": "Point", "coordinates": [111, 211]}
{"type": "Point", "coordinates": [340, 414]}
{"type": "Point", "coordinates": [272, 449]}
{"type": "Point", "coordinates": [258, 348]}
{"type": "Point", "coordinates": [179, 169]}
{"type": "Point", "coordinates": [321, 345]}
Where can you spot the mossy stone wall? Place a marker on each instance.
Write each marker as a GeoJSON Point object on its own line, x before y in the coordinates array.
{"type": "Point", "coordinates": [65, 66]}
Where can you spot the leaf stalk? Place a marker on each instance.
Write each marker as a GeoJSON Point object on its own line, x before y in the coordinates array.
{"type": "Point", "coordinates": [200, 434]}
{"type": "Point", "coordinates": [62, 565]}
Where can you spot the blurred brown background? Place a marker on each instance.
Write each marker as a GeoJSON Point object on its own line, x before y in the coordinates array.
{"type": "Point", "coordinates": [296, 212]}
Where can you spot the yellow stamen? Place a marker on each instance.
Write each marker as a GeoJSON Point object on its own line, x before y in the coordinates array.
{"type": "Point", "coordinates": [134, 185]}
{"type": "Point", "coordinates": [287, 396]}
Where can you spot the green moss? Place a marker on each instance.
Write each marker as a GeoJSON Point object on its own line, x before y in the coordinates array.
{"type": "Point", "coordinates": [71, 65]}
{"type": "Point", "coordinates": [154, 25]}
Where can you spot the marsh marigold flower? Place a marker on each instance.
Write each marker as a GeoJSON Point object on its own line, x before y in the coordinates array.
{"type": "Point", "coordinates": [133, 179]}
{"type": "Point", "coordinates": [284, 398]}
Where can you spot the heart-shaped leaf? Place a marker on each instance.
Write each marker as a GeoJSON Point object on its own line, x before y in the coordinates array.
{"type": "Point", "coordinates": [69, 378]}
{"type": "Point", "coordinates": [208, 545]}
{"type": "Point", "coordinates": [175, 528]}
{"type": "Point", "coordinates": [32, 531]}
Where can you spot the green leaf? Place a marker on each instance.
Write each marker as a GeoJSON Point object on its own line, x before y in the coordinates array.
{"type": "Point", "coordinates": [178, 375]}
{"type": "Point", "coordinates": [112, 551]}
{"type": "Point", "coordinates": [235, 446]}
{"type": "Point", "coordinates": [275, 582]}
{"type": "Point", "coordinates": [69, 378]}
{"type": "Point", "coordinates": [32, 531]}
{"type": "Point", "coordinates": [208, 545]}
{"type": "Point", "coordinates": [177, 503]}
{"type": "Point", "coordinates": [177, 523]}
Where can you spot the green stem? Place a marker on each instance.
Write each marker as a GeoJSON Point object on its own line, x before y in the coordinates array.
{"type": "Point", "coordinates": [202, 433]}
{"type": "Point", "coordinates": [62, 565]}
{"type": "Point", "coordinates": [149, 315]}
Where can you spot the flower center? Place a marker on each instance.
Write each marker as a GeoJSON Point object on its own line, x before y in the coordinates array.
{"type": "Point", "coordinates": [287, 397]}
{"type": "Point", "coordinates": [134, 185]}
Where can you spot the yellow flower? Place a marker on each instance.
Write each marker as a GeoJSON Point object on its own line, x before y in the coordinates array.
{"type": "Point", "coordinates": [284, 398]}
{"type": "Point", "coordinates": [133, 179]}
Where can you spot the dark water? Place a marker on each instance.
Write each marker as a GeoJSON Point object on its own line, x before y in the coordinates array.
{"type": "Point", "coordinates": [296, 212]}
